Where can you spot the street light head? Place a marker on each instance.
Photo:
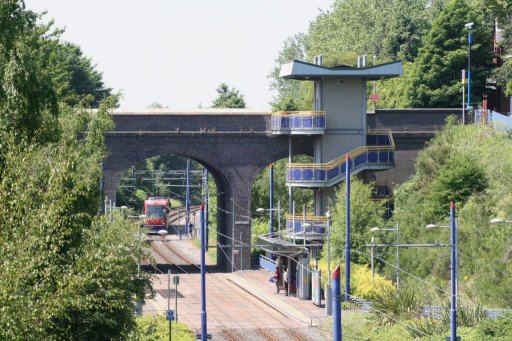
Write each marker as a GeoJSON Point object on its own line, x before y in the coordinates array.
{"type": "Point", "coordinates": [260, 210]}
{"type": "Point", "coordinates": [497, 221]}
{"type": "Point", "coordinates": [374, 229]}
{"type": "Point", "coordinates": [469, 25]}
{"type": "Point", "coordinates": [328, 214]}
{"type": "Point", "coordinates": [306, 225]}
{"type": "Point", "coordinates": [143, 216]}
{"type": "Point", "coordinates": [431, 226]}
{"type": "Point", "coordinates": [124, 207]}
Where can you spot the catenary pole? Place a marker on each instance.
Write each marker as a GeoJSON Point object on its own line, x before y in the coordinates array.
{"type": "Point", "coordinates": [271, 210]}
{"type": "Point", "coordinates": [336, 305]}
{"type": "Point", "coordinates": [453, 284]}
{"type": "Point", "coordinates": [203, 276]}
{"type": "Point", "coordinates": [187, 200]}
{"type": "Point", "coordinates": [347, 229]}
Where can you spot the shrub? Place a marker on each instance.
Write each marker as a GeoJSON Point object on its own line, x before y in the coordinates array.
{"type": "Point", "coordinates": [362, 285]}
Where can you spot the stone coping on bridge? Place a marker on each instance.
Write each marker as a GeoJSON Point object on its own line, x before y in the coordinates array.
{"type": "Point", "coordinates": [205, 111]}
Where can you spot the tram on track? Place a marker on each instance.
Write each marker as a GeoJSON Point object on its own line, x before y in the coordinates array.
{"type": "Point", "coordinates": [156, 210]}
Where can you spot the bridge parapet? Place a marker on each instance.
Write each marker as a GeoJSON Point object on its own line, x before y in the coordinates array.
{"type": "Point", "coordinates": [193, 121]}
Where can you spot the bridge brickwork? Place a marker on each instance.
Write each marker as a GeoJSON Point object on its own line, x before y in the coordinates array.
{"type": "Point", "coordinates": [235, 145]}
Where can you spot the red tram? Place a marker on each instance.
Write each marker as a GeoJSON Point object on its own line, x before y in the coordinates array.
{"type": "Point", "coordinates": [156, 210]}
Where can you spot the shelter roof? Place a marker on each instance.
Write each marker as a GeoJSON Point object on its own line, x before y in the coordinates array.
{"type": "Point", "coordinates": [307, 71]}
{"type": "Point", "coordinates": [280, 246]}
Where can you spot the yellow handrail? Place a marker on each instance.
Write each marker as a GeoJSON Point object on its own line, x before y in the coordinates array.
{"type": "Point", "coordinates": [353, 154]}
{"type": "Point", "coordinates": [299, 113]}
{"type": "Point", "coordinates": [309, 217]}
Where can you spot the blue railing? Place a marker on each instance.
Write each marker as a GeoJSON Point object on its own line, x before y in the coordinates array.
{"type": "Point", "coordinates": [298, 122]}
{"type": "Point", "coordinates": [378, 154]}
{"type": "Point", "coordinates": [493, 118]}
{"type": "Point", "coordinates": [267, 263]}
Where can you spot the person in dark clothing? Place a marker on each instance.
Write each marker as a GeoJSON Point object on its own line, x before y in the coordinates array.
{"type": "Point", "coordinates": [277, 278]}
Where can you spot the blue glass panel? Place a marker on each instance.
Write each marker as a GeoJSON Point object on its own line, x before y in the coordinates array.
{"type": "Point", "coordinates": [373, 156]}
{"type": "Point", "coordinates": [320, 229]}
{"type": "Point", "coordinates": [307, 122]}
{"type": "Point", "coordinates": [295, 122]}
{"type": "Point", "coordinates": [332, 173]}
{"type": "Point", "coordinates": [296, 174]}
{"type": "Point", "coordinates": [359, 160]}
{"type": "Point", "coordinates": [320, 122]}
{"type": "Point", "coordinates": [307, 174]}
{"type": "Point", "coordinates": [371, 140]}
{"type": "Point", "coordinates": [285, 122]}
{"type": "Point", "coordinates": [383, 157]}
{"type": "Point", "coordinates": [320, 174]}
{"type": "Point", "coordinates": [391, 157]}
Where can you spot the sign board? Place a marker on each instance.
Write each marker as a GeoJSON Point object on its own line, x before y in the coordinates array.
{"type": "Point", "coordinates": [176, 280]}
{"type": "Point", "coordinates": [316, 287]}
{"type": "Point", "coordinates": [170, 315]}
{"type": "Point", "coordinates": [375, 97]}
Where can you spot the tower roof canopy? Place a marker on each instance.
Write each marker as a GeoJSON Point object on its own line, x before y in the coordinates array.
{"type": "Point", "coordinates": [307, 71]}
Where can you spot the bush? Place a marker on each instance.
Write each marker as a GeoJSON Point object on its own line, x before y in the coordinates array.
{"type": "Point", "coordinates": [362, 285]}
{"type": "Point", "coordinates": [152, 328]}
{"type": "Point", "coordinates": [498, 329]}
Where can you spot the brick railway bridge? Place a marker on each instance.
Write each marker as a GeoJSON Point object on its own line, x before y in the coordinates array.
{"type": "Point", "coordinates": [236, 144]}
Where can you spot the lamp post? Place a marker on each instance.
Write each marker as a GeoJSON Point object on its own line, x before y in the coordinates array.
{"type": "Point", "coordinates": [397, 230]}
{"type": "Point", "coordinates": [454, 269]}
{"type": "Point", "coordinates": [469, 26]}
{"type": "Point", "coordinates": [271, 210]}
{"type": "Point", "coordinates": [347, 228]}
{"type": "Point", "coordinates": [305, 226]}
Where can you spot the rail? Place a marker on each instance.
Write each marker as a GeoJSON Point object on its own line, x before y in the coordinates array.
{"type": "Point", "coordinates": [298, 122]}
{"type": "Point", "coordinates": [378, 152]}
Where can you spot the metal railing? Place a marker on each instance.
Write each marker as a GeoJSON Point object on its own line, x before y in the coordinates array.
{"type": "Point", "coordinates": [267, 263]}
{"type": "Point", "coordinates": [294, 224]}
{"type": "Point", "coordinates": [364, 155]}
{"type": "Point", "coordinates": [286, 122]}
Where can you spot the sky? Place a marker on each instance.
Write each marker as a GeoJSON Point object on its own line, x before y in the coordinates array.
{"type": "Point", "coordinates": [177, 53]}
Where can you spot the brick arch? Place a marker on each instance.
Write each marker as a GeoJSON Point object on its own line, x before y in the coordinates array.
{"type": "Point", "coordinates": [233, 147]}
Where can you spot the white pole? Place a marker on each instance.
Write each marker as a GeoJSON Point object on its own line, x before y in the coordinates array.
{"type": "Point", "coordinates": [397, 258]}
{"type": "Point", "coordinates": [279, 216]}
{"type": "Point", "coordinates": [293, 221]}
{"type": "Point", "coordinates": [372, 250]}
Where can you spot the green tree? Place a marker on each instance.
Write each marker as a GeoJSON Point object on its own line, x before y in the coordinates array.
{"type": "Point", "coordinates": [339, 35]}
{"type": "Point", "coordinates": [73, 76]}
{"type": "Point", "coordinates": [228, 98]}
{"type": "Point", "coordinates": [364, 214]}
{"type": "Point", "coordinates": [290, 93]}
{"type": "Point", "coordinates": [461, 163]}
{"type": "Point", "coordinates": [436, 75]}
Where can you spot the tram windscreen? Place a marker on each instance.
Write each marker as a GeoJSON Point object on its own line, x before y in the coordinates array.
{"type": "Point", "coordinates": [156, 211]}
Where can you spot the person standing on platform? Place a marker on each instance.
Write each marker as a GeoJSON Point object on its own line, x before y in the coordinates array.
{"type": "Point", "coordinates": [277, 278]}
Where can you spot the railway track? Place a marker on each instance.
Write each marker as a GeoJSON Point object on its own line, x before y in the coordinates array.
{"type": "Point", "coordinates": [157, 247]}
{"type": "Point", "coordinates": [268, 335]}
{"type": "Point", "coordinates": [295, 336]}
{"type": "Point", "coordinates": [229, 335]}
